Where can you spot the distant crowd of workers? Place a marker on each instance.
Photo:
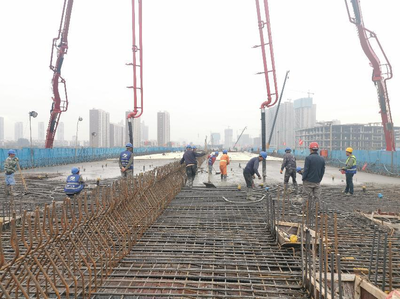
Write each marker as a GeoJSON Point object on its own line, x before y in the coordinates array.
{"type": "Point", "coordinates": [312, 173]}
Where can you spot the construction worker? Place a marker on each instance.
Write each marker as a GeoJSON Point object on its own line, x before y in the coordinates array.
{"type": "Point", "coordinates": [350, 170]}
{"type": "Point", "coordinates": [75, 183]}
{"type": "Point", "coordinates": [313, 172]}
{"type": "Point", "coordinates": [189, 158]}
{"type": "Point", "coordinates": [126, 161]}
{"type": "Point", "coordinates": [289, 164]}
{"type": "Point", "coordinates": [211, 161]}
{"type": "Point", "coordinates": [223, 165]}
{"type": "Point", "coordinates": [250, 170]}
{"type": "Point", "coordinates": [10, 165]}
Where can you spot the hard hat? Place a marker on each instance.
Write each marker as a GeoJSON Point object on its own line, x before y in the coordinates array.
{"type": "Point", "coordinates": [188, 146]}
{"type": "Point", "coordinates": [298, 168]}
{"type": "Point", "coordinates": [349, 149]}
{"type": "Point", "coordinates": [11, 152]}
{"type": "Point", "coordinates": [293, 239]}
{"type": "Point", "coordinates": [74, 170]}
{"type": "Point", "coordinates": [129, 145]}
{"type": "Point", "coordinates": [314, 146]}
{"type": "Point", "coordinates": [224, 151]}
{"type": "Point", "coordinates": [194, 147]}
{"type": "Point", "coordinates": [288, 149]}
{"type": "Point", "coordinates": [216, 153]}
{"type": "Point", "coordinates": [264, 155]}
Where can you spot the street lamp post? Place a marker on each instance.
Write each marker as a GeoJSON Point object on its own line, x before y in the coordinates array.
{"type": "Point", "coordinates": [33, 114]}
{"type": "Point", "coordinates": [76, 137]}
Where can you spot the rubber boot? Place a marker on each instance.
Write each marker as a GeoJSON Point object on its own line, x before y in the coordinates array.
{"type": "Point", "coordinates": [7, 190]}
{"type": "Point", "coordinates": [225, 177]}
{"type": "Point", "coordinates": [222, 177]}
{"type": "Point", "coordinates": [250, 194]}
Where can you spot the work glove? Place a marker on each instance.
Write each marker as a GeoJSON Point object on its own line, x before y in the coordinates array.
{"type": "Point", "coordinates": [259, 177]}
{"type": "Point", "coordinates": [280, 171]}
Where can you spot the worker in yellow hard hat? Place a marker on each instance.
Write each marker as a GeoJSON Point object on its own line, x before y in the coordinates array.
{"type": "Point", "coordinates": [350, 170]}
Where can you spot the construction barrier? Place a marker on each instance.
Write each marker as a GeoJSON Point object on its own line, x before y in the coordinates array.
{"type": "Point", "coordinates": [381, 162]}
{"type": "Point", "coordinates": [42, 157]}
{"type": "Point", "coordinates": [67, 250]}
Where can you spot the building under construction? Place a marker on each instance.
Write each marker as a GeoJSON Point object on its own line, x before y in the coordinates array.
{"type": "Point", "coordinates": [332, 136]}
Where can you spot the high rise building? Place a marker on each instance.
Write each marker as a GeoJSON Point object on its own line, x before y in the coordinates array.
{"type": "Point", "coordinates": [1, 128]}
{"type": "Point", "coordinates": [60, 132]}
{"type": "Point", "coordinates": [18, 130]}
{"type": "Point", "coordinates": [116, 135]}
{"type": "Point", "coordinates": [228, 141]}
{"type": "Point", "coordinates": [163, 128]}
{"type": "Point", "coordinates": [284, 130]}
{"type": "Point", "coordinates": [99, 128]}
{"type": "Point", "coordinates": [41, 131]}
{"type": "Point", "coordinates": [145, 131]}
{"type": "Point", "coordinates": [136, 130]}
{"type": "Point", "coordinates": [215, 138]}
{"type": "Point", "coordinates": [305, 113]}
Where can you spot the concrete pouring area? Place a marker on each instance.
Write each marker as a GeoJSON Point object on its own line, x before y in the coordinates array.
{"type": "Point", "coordinates": [203, 242]}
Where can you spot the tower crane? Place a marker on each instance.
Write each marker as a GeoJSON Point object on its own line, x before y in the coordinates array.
{"type": "Point", "coordinates": [381, 72]}
{"type": "Point", "coordinates": [58, 50]}
{"type": "Point", "coordinates": [137, 65]}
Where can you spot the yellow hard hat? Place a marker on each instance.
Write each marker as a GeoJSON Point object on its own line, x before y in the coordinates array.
{"type": "Point", "coordinates": [293, 239]}
{"type": "Point", "coordinates": [349, 149]}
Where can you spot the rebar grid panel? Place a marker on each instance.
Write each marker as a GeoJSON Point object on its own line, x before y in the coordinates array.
{"type": "Point", "coordinates": [205, 247]}
{"type": "Point", "coordinates": [354, 233]}
{"type": "Point", "coordinates": [68, 250]}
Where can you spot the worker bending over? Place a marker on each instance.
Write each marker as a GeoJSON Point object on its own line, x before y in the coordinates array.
{"type": "Point", "coordinates": [250, 170]}
{"type": "Point", "coordinates": [350, 170]}
{"type": "Point", "coordinates": [10, 165]}
{"type": "Point", "coordinates": [189, 158]}
{"type": "Point", "coordinates": [75, 183]}
{"type": "Point", "coordinates": [289, 164]}
{"type": "Point", "coordinates": [211, 161]}
{"type": "Point", "coordinates": [223, 165]}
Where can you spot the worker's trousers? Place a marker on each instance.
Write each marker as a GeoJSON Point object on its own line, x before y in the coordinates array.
{"type": "Point", "coordinates": [224, 168]}
{"type": "Point", "coordinates": [191, 173]}
{"type": "Point", "coordinates": [349, 183]}
{"type": "Point", "coordinates": [290, 173]}
{"type": "Point", "coordinates": [248, 178]}
{"type": "Point", "coordinates": [311, 192]}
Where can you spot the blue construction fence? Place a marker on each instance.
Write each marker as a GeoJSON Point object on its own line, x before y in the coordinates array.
{"type": "Point", "coordinates": [382, 162]}
{"type": "Point", "coordinates": [42, 157]}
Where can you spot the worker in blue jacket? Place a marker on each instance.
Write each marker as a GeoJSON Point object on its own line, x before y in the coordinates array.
{"type": "Point", "coordinates": [250, 170]}
{"type": "Point", "coordinates": [75, 183]}
{"type": "Point", "coordinates": [189, 158]}
{"type": "Point", "coordinates": [312, 174]}
{"type": "Point", "coordinates": [126, 161]}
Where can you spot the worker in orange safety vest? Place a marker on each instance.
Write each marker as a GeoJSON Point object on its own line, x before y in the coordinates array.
{"type": "Point", "coordinates": [223, 165]}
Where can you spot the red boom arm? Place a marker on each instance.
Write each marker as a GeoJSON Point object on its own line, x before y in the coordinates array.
{"type": "Point", "coordinates": [381, 71]}
{"type": "Point", "coordinates": [59, 46]}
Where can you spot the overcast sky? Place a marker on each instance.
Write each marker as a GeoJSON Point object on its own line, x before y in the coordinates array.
{"type": "Point", "coordinates": [198, 61]}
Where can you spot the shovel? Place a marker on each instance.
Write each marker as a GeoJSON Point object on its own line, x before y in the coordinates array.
{"type": "Point", "coordinates": [22, 177]}
{"type": "Point", "coordinates": [216, 172]}
{"type": "Point", "coordinates": [209, 185]}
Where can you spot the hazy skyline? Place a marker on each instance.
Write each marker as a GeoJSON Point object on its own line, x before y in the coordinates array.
{"type": "Point", "coordinates": [199, 64]}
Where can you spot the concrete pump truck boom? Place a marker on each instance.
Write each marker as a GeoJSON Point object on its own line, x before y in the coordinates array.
{"type": "Point", "coordinates": [59, 48]}
{"type": "Point", "coordinates": [381, 72]}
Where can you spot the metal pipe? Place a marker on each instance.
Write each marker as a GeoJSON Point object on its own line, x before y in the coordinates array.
{"type": "Point", "coordinates": [377, 257]}
{"type": "Point", "coordinates": [339, 276]}
{"type": "Point", "coordinates": [372, 253]}
{"type": "Point", "coordinates": [390, 268]}
{"type": "Point", "coordinates": [321, 261]}
{"type": "Point", "coordinates": [332, 275]}
{"type": "Point", "coordinates": [384, 263]}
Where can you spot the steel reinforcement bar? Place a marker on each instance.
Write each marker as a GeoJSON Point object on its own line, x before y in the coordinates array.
{"type": "Point", "coordinates": [68, 250]}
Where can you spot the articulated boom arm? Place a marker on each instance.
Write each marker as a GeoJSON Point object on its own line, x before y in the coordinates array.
{"type": "Point", "coordinates": [268, 58]}
{"type": "Point", "coordinates": [59, 48]}
{"type": "Point", "coordinates": [137, 65]}
{"type": "Point", "coordinates": [381, 71]}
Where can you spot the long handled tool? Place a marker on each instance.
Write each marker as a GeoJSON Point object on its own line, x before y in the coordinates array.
{"type": "Point", "coordinates": [216, 172]}
{"type": "Point", "coordinates": [22, 177]}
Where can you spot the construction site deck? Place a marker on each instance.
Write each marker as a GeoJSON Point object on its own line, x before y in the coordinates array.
{"type": "Point", "coordinates": [152, 237]}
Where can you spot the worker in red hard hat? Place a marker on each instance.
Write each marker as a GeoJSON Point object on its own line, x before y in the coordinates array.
{"type": "Point", "coordinates": [313, 172]}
